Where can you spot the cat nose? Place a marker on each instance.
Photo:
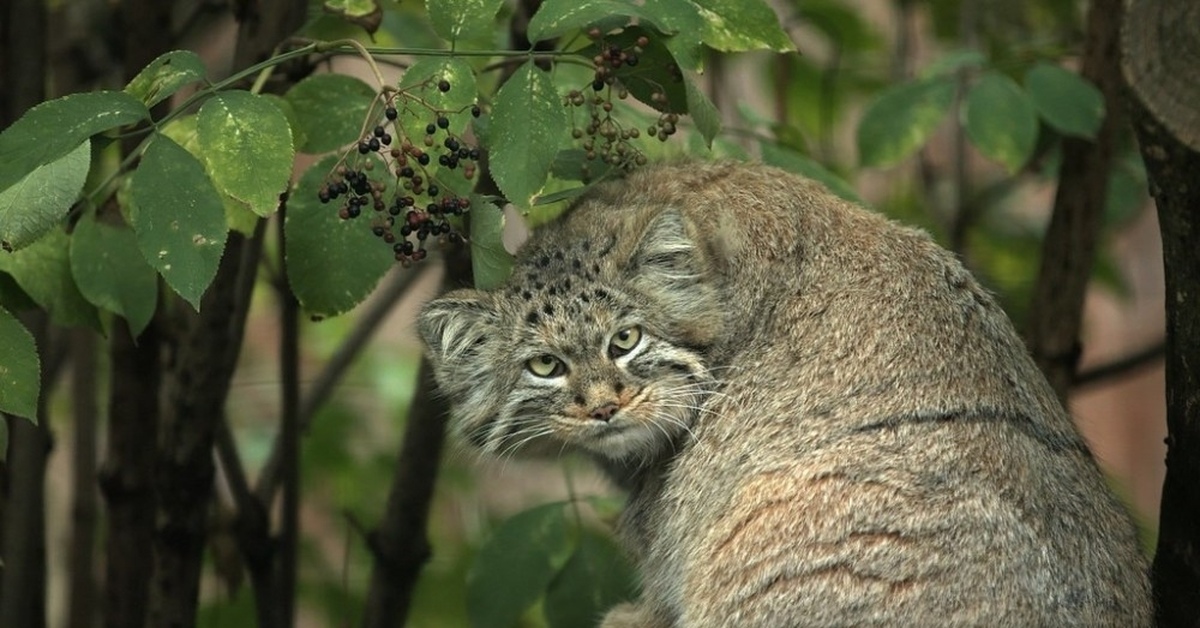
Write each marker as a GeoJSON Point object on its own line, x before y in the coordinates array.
{"type": "Point", "coordinates": [604, 412]}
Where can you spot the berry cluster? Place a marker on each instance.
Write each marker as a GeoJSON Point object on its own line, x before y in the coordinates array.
{"type": "Point", "coordinates": [417, 208]}
{"type": "Point", "coordinates": [603, 137]}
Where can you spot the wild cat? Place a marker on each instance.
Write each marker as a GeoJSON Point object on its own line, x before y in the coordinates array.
{"type": "Point", "coordinates": [820, 417]}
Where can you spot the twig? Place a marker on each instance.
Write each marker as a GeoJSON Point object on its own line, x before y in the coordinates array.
{"type": "Point", "coordinates": [1124, 365]}
{"type": "Point", "coordinates": [289, 435]}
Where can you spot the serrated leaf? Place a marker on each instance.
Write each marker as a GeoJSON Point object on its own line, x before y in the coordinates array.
{"type": "Point", "coordinates": [792, 161]}
{"type": "Point", "coordinates": [364, 13]}
{"type": "Point", "coordinates": [657, 71]}
{"type": "Point", "coordinates": [238, 216]}
{"type": "Point", "coordinates": [558, 17]}
{"type": "Point", "coordinates": [20, 373]}
{"type": "Point", "coordinates": [528, 126]}
{"type": "Point", "coordinates": [740, 25]}
{"type": "Point", "coordinates": [514, 566]}
{"type": "Point", "coordinates": [490, 262]}
{"type": "Point", "coordinates": [247, 148]}
{"type": "Point", "coordinates": [464, 20]}
{"type": "Point", "coordinates": [703, 112]}
{"type": "Point", "coordinates": [32, 207]}
{"type": "Point", "coordinates": [900, 120]}
{"type": "Point", "coordinates": [454, 70]}
{"type": "Point", "coordinates": [1000, 121]}
{"type": "Point", "coordinates": [1066, 101]}
{"type": "Point", "coordinates": [330, 109]}
{"type": "Point", "coordinates": [111, 273]}
{"type": "Point", "coordinates": [596, 578]}
{"type": "Point", "coordinates": [333, 264]}
{"type": "Point", "coordinates": [178, 218]}
{"type": "Point", "coordinates": [166, 75]}
{"type": "Point", "coordinates": [54, 128]}
{"type": "Point", "coordinates": [43, 271]}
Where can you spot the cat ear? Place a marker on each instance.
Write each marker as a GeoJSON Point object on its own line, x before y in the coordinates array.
{"type": "Point", "coordinates": [667, 251]}
{"type": "Point", "coordinates": [454, 326]}
{"type": "Point", "coordinates": [671, 269]}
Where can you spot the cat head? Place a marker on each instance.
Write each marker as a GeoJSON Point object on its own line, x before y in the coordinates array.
{"type": "Point", "coordinates": [598, 342]}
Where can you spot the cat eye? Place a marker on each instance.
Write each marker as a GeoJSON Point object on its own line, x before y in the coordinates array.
{"type": "Point", "coordinates": [624, 341]}
{"type": "Point", "coordinates": [546, 365]}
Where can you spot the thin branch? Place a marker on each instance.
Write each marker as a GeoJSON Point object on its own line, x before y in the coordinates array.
{"type": "Point", "coordinates": [84, 409]}
{"type": "Point", "coordinates": [289, 436]}
{"type": "Point", "coordinates": [1122, 366]}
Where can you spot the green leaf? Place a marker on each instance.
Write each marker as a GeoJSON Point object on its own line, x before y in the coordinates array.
{"type": "Point", "coordinates": [528, 126]}
{"type": "Point", "coordinates": [165, 75]}
{"type": "Point", "coordinates": [514, 566]}
{"type": "Point", "coordinates": [596, 578]}
{"type": "Point", "coordinates": [43, 271]}
{"type": "Point", "coordinates": [702, 111]}
{"type": "Point", "coordinates": [1065, 100]}
{"type": "Point", "coordinates": [330, 109]}
{"type": "Point", "coordinates": [32, 207]}
{"type": "Point", "coordinates": [20, 374]}
{"type": "Point", "coordinates": [454, 70]}
{"type": "Point", "coordinates": [657, 70]}
{"type": "Point", "coordinates": [740, 25]}
{"type": "Point", "coordinates": [1000, 121]}
{"type": "Point", "coordinates": [364, 13]}
{"type": "Point", "coordinates": [57, 127]}
{"type": "Point", "coordinates": [332, 264]}
{"type": "Point", "coordinates": [247, 148]}
{"type": "Point", "coordinates": [558, 17]}
{"type": "Point", "coordinates": [111, 273]}
{"type": "Point", "coordinates": [780, 157]}
{"type": "Point", "coordinates": [464, 20]}
{"type": "Point", "coordinates": [490, 262]}
{"type": "Point", "coordinates": [178, 217]}
{"type": "Point", "coordinates": [901, 119]}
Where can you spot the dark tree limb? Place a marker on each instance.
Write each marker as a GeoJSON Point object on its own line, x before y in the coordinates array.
{"type": "Point", "coordinates": [197, 385]}
{"type": "Point", "coordinates": [1069, 248]}
{"type": "Point", "coordinates": [1160, 47]}
{"type": "Point", "coordinates": [127, 474]}
{"type": "Point", "coordinates": [399, 544]}
{"type": "Point", "coordinates": [81, 595]}
{"type": "Point", "coordinates": [289, 436]}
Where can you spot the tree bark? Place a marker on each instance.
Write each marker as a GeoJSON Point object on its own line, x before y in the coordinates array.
{"type": "Point", "coordinates": [1172, 169]}
{"type": "Point", "coordinates": [197, 384]}
{"type": "Point", "coordinates": [1069, 248]}
{"type": "Point", "coordinates": [127, 475]}
{"type": "Point", "coordinates": [81, 596]}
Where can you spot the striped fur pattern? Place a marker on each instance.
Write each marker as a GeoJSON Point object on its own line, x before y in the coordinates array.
{"type": "Point", "coordinates": [825, 420]}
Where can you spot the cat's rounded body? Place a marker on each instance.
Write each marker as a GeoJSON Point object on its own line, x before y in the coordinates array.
{"type": "Point", "coordinates": [821, 417]}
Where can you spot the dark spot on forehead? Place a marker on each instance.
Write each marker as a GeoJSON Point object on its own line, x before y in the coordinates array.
{"type": "Point", "coordinates": [548, 309]}
{"type": "Point", "coordinates": [543, 261]}
{"type": "Point", "coordinates": [527, 295]}
{"type": "Point", "coordinates": [576, 264]}
{"type": "Point", "coordinates": [532, 317]}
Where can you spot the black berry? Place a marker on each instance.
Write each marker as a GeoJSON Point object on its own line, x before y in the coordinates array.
{"type": "Point", "coordinates": [443, 85]}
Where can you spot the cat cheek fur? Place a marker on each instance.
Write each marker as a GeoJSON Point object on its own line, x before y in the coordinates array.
{"type": "Point", "coordinates": [456, 331]}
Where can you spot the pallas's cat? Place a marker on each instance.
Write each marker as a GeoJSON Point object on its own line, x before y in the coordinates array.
{"type": "Point", "coordinates": [820, 417]}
